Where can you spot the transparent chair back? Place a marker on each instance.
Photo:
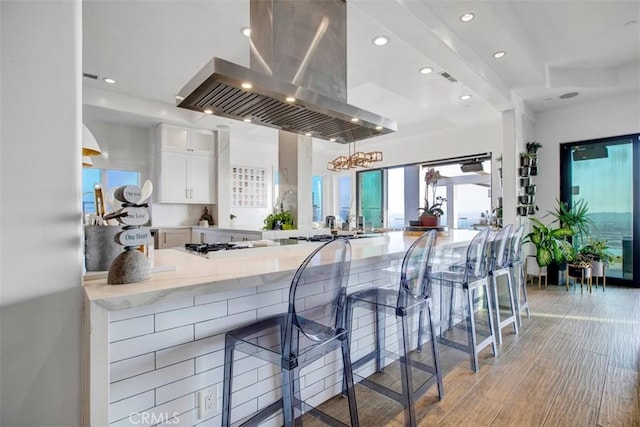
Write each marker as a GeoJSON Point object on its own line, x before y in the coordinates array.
{"type": "Point", "coordinates": [476, 264]}
{"type": "Point", "coordinates": [516, 244]}
{"type": "Point", "coordinates": [501, 248]}
{"type": "Point", "coordinates": [316, 296]}
{"type": "Point", "coordinates": [416, 265]}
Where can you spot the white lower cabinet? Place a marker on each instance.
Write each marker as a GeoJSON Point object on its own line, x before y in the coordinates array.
{"type": "Point", "coordinates": [172, 237]}
{"type": "Point", "coordinates": [238, 236]}
{"type": "Point", "coordinates": [186, 178]}
{"type": "Point", "coordinates": [204, 236]}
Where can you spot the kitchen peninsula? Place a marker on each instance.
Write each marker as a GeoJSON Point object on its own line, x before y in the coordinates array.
{"type": "Point", "coordinates": [153, 345]}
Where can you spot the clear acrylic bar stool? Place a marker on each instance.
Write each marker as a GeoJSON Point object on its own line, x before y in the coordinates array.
{"type": "Point", "coordinates": [517, 273]}
{"type": "Point", "coordinates": [472, 277]}
{"type": "Point", "coordinates": [501, 266]}
{"type": "Point", "coordinates": [312, 327]}
{"type": "Point", "coordinates": [410, 304]}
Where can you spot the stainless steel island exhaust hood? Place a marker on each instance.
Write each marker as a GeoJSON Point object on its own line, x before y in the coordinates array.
{"type": "Point", "coordinates": [297, 79]}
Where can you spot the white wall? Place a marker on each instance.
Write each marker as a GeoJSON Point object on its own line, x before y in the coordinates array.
{"type": "Point", "coordinates": [608, 117]}
{"type": "Point", "coordinates": [261, 153]}
{"type": "Point", "coordinates": [40, 250]}
{"type": "Point", "coordinates": [123, 147]}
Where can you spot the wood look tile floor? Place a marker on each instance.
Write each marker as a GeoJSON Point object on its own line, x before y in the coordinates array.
{"type": "Point", "coordinates": [575, 362]}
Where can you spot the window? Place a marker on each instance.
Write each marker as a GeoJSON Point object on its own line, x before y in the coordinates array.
{"type": "Point", "coordinates": [109, 179]}
{"type": "Point", "coordinates": [344, 197]}
{"type": "Point", "coordinates": [390, 197]}
{"type": "Point", "coordinates": [317, 196]}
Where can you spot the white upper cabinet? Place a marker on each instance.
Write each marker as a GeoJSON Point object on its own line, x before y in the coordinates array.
{"type": "Point", "coordinates": [187, 172]}
{"type": "Point", "coordinates": [182, 139]}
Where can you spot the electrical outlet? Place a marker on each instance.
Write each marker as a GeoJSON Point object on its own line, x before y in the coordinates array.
{"type": "Point", "coordinates": [208, 402]}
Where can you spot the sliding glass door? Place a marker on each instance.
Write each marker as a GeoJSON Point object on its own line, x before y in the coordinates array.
{"type": "Point", "coordinates": [605, 173]}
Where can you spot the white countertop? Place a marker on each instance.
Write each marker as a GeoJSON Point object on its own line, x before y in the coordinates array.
{"type": "Point", "coordinates": [197, 275]}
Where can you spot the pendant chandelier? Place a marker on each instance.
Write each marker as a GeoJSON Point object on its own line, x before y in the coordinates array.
{"type": "Point", "coordinates": [358, 159]}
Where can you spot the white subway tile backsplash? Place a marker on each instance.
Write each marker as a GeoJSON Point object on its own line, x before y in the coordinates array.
{"type": "Point", "coordinates": [150, 309]}
{"type": "Point", "coordinates": [151, 342]}
{"type": "Point", "coordinates": [187, 316]}
{"type": "Point", "coordinates": [210, 360]}
{"type": "Point", "coordinates": [132, 405]}
{"type": "Point", "coordinates": [190, 350]}
{"type": "Point", "coordinates": [189, 385]}
{"type": "Point", "coordinates": [224, 324]}
{"type": "Point", "coordinates": [131, 367]}
{"type": "Point", "coordinates": [129, 328]}
{"type": "Point", "coordinates": [222, 296]}
{"type": "Point", "coordinates": [273, 310]}
{"type": "Point", "coordinates": [254, 302]}
{"type": "Point", "coordinates": [159, 414]}
{"type": "Point", "coordinates": [244, 410]}
{"type": "Point", "coordinates": [134, 385]}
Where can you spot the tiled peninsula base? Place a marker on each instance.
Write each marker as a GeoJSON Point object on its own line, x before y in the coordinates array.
{"type": "Point", "coordinates": [148, 362]}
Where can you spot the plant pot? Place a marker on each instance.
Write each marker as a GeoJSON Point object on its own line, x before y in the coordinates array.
{"type": "Point", "coordinates": [533, 171]}
{"type": "Point", "coordinates": [523, 171]}
{"type": "Point", "coordinates": [525, 161]}
{"type": "Point", "coordinates": [579, 272]}
{"type": "Point", "coordinates": [530, 190]}
{"type": "Point", "coordinates": [532, 209]}
{"type": "Point", "coordinates": [500, 172]}
{"type": "Point", "coordinates": [525, 200]}
{"type": "Point", "coordinates": [429, 220]}
{"type": "Point", "coordinates": [499, 202]}
{"type": "Point", "coordinates": [534, 161]}
{"type": "Point", "coordinates": [522, 210]}
{"type": "Point", "coordinates": [525, 182]}
{"type": "Point", "coordinates": [597, 268]}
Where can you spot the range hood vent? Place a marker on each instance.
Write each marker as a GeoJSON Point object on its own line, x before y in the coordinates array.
{"type": "Point", "coordinates": [218, 87]}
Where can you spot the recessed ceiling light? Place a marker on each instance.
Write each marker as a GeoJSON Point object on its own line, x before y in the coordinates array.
{"type": "Point", "coordinates": [307, 134]}
{"type": "Point", "coordinates": [499, 54]}
{"type": "Point", "coordinates": [290, 99]}
{"type": "Point", "coordinates": [426, 70]}
{"type": "Point", "coordinates": [246, 31]}
{"type": "Point", "coordinates": [332, 139]}
{"type": "Point", "coordinates": [180, 98]}
{"type": "Point", "coordinates": [246, 85]}
{"type": "Point", "coordinates": [378, 127]}
{"type": "Point", "coordinates": [247, 120]}
{"type": "Point", "coordinates": [208, 111]}
{"type": "Point", "coordinates": [569, 95]}
{"type": "Point", "coordinates": [467, 17]}
{"type": "Point", "coordinates": [355, 119]}
{"type": "Point", "coordinates": [109, 80]}
{"type": "Point", "coordinates": [465, 97]}
{"type": "Point", "coordinates": [380, 40]}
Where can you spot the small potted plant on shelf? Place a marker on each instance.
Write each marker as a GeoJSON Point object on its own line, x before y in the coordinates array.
{"type": "Point", "coordinates": [431, 213]}
{"type": "Point", "coordinates": [532, 149]}
{"type": "Point", "coordinates": [499, 160]}
{"type": "Point", "coordinates": [533, 146]}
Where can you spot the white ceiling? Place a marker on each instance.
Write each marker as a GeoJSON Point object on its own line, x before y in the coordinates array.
{"type": "Point", "coordinates": [152, 48]}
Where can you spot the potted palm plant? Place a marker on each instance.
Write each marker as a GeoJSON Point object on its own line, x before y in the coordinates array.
{"type": "Point", "coordinates": [431, 212]}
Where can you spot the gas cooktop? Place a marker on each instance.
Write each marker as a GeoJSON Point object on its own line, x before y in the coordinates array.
{"type": "Point", "coordinates": [205, 248]}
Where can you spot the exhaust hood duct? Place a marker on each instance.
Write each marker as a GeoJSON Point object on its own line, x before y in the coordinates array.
{"type": "Point", "coordinates": [297, 77]}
